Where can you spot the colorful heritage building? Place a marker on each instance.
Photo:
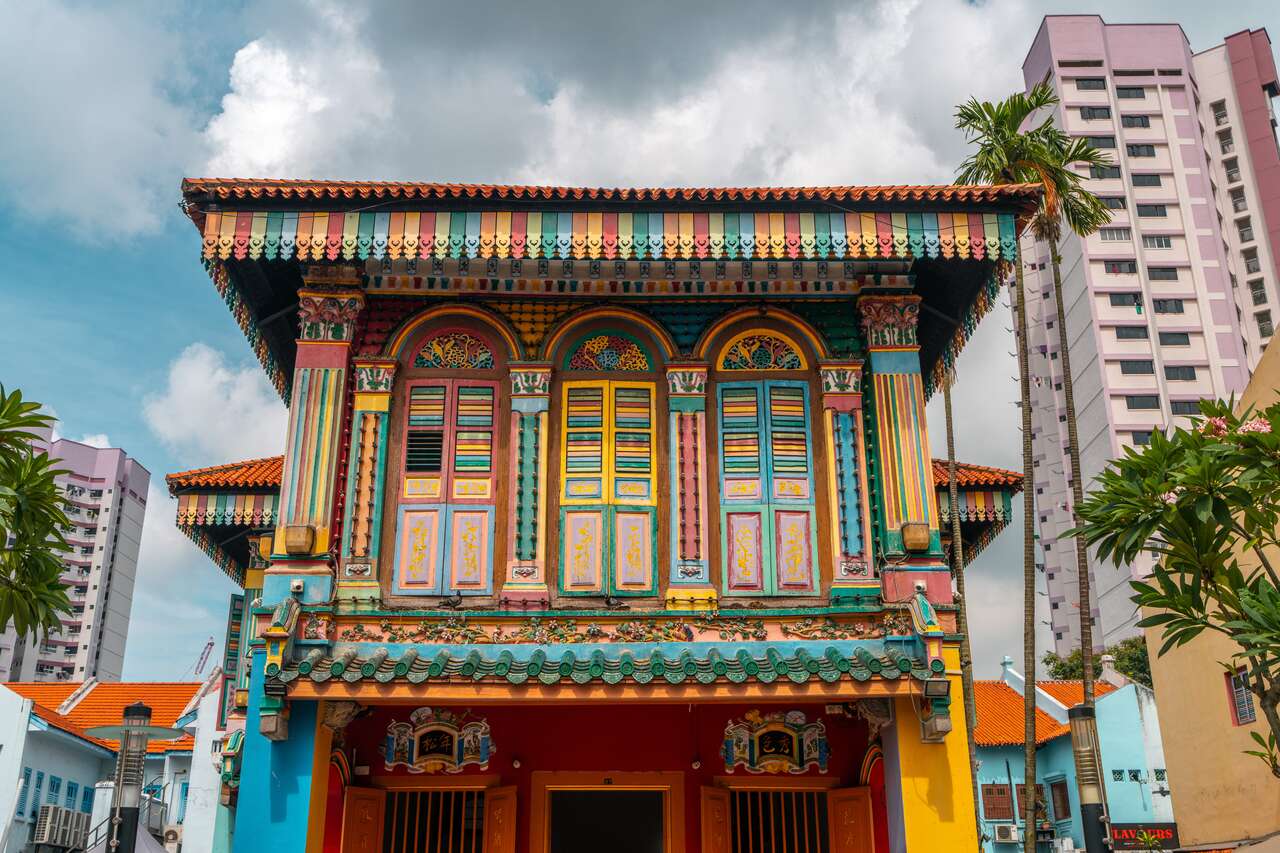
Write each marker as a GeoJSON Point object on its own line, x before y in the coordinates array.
{"type": "Point", "coordinates": [603, 515]}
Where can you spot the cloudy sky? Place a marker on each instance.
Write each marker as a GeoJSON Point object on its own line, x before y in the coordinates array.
{"type": "Point", "coordinates": [110, 319]}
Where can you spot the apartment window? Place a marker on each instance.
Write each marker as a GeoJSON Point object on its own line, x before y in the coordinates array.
{"type": "Point", "coordinates": [1179, 373]}
{"type": "Point", "coordinates": [1226, 143]}
{"type": "Point", "coordinates": [1132, 333]}
{"type": "Point", "coordinates": [1141, 150]}
{"type": "Point", "coordinates": [1140, 437]}
{"type": "Point", "coordinates": [1136, 367]}
{"type": "Point", "coordinates": [1157, 241]}
{"type": "Point", "coordinates": [1263, 319]}
{"type": "Point", "coordinates": [1091, 84]}
{"type": "Point", "coordinates": [1184, 407]}
{"type": "Point", "coordinates": [1251, 262]}
{"type": "Point", "coordinates": [73, 790]}
{"type": "Point", "coordinates": [1120, 267]}
{"type": "Point", "coordinates": [1125, 300]}
{"type": "Point", "coordinates": [1233, 170]}
{"type": "Point", "coordinates": [55, 789]}
{"type": "Point", "coordinates": [1104, 172]}
{"type": "Point", "coordinates": [1139, 402]}
{"type": "Point", "coordinates": [1167, 306]}
{"type": "Point", "coordinates": [1145, 180]}
{"type": "Point", "coordinates": [1242, 710]}
{"type": "Point", "coordinates": [1219, 109]}
{"type": "Point", "coordinates": [1130, 93]}
{"type": "Point", "coordinates": [1245, 228]}
{"type": "Point", "coordinates": [997, 802]}
{"type": "Point", "coordinates": [1258, 290]}
{"type": "Point", "coordinates": [1114, 235]}
{"type": "Point", "coordinates": [1091, 113]}
{"type": "Point", "coordinates": [1113, 202]}
{"type": "Point", "coordinates": [1153, 210]}
{"type": "Point", "coordinates": [1101, 141]}
{"type": "Point", "coordinates": [1135, 121]}
{"type": "Point", "coordinates": [1175, 339]}
{"type": "Point", "coordinates": [1238, 203]}
{"type": "Point", "coordinates": [1161, 273]}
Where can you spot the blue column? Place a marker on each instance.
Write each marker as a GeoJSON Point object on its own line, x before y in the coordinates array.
{"type": "Point", "coordinates": [275, 777]}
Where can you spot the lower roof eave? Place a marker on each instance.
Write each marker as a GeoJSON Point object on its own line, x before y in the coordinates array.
{"type": "Point", "coordinates": [501, 692]}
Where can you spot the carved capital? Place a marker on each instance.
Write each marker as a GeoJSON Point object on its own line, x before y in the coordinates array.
{"type": "Point", "coordinates": [375, 375]}
{"type": "Point", "coordinates": [843, 377]}
{"type": "Point", "coordinates": [328, 315]}
{"type": "Point", "coordinates": [687, 380]}
{"type": "Point", "coordinates": [530, 380]}
{"type": "Point", "coordinates": [890, 322]}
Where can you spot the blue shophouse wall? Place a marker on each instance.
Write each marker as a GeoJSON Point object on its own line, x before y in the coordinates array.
{"type": "Point", "coordinates": [1053, 763]}
{"type": "Point", "coordinates": [1129, 732]}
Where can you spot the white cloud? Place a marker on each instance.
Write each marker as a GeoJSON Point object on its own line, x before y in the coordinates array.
{"type": "Point", "coordinates": [175, 579]}
{"type": "Point", "coordinates": [212, 412]}
{"type": "Point", "coordinates": [95, 439]}
{"type": "Point", "coordinates": [95, 129]}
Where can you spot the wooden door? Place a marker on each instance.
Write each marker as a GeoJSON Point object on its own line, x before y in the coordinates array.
{"type": "Point", "coordinates": [716, 835]}
{"type": "Point", "coordinates": [500, 820]}
{"type": "Point", "coordinates": [362, 820]}
{"type": "Point", "coordinates": [849, 820]}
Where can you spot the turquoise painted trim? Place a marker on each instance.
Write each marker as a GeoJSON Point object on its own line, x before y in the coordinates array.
{"type": "Point", "coordinates": [528, 438]}
{"type": "Point", "coordinates": [687, 404]}
{"type": "Point", "coordinates": [895, 361]}
{"type": "Point", "coordinates": [322, 409]}
{"type": "Point", "coordinates": [525, 651]}
{"type": "Point", "coordinates": [275, 778]}
{"type": "Point", "coordinates": [846, 455]}
{"type": "Point", "coordinates": [379, 486]}
{"type": "Point", "coordinates": [840, 610]}
{"type": "Point", "coordinates": [530, 405]}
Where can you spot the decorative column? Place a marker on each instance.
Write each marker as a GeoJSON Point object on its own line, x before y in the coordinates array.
{"type": "Point", "coordinates": [366, 478]}
{"type": "Point", "coordinates": [328, 306]}
{"type": "Point", "coordinates": [689, 586]}
{"type": "Point", "coordinates": [526, 581]}
{"type": "Point", "coordinates": [909, 541]}
{"type": "Point", "coordinates": [854, 576]}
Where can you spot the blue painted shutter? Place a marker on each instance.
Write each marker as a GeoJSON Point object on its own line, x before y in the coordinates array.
{"type": "Point", "coordinates": [22, 790]}
{"type": "Point", "coordinates": [72, 790]}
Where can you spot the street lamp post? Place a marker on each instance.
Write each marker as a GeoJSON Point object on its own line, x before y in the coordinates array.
{"type": "Point", "coordinates": [1084, 745]}
{"type": "Point", "coordinates": [131, 760]}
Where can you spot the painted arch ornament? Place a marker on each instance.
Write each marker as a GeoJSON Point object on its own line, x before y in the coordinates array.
{"type": "Point", "coordinates": [777, 742]}
{"type": "Point", "coordinates": [435, 740]}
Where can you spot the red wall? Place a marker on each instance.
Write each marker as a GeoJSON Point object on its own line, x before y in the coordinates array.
{"type": "Point", "coordinates": [623, 738]}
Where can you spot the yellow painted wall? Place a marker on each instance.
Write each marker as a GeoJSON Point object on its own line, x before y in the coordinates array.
{"type": "Point", "coordinates": [937, 796]}
{"type": "Point", "coordinates": [1219, 794]}
{"type": "Point", "coordinates": [319, 783]}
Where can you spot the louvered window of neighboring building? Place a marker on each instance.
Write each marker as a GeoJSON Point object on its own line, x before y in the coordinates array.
{"type": "Point", "coordinates": [1091, 84]}
{"type": "Point", "coordinates": [1139, 402]}
{"type": "Point", "coordinates": [1135, 121]}
{"type": "Point", "coordinates": [1113, 202]}
{"type": "Point", "coordinates": [1125, 300]}
{"type": "Point", "coordinates": [1091, 113]}
{"type": "Point", "coordinates": [1179, 372]}
{"type": "Point", "coordinates": [1137, 367]}
{"type": "Point", "coordinates": [997, 802]}
{"type": "Point", "coordinates": [1104, 172]}
{"type": "Point", "coordinates": [1168, 306]}
{"type": "Point", "coordinates": [1132, 333]}
{"type": "Point", "coordinates": [1119, 267]}
{"type": "Point", "coordinates": [1145, 180]}
{"type": "Point", "coordinates": [1184, 407]}
{"type": "Point", "coordinates": [1130, 92]}
{"type": "Point", "coordinates": [1101, 141]}
{"type": "Point", "coordinates": [1141, 150]}
{"type": "Point", "coordinates": [1114, 235]}
{"type": "Point", "coordinates": [1175, 339]}
{"type": "Point", "coordinates": [1162, 273]}
{"type": "Point", "coordinates": [1157, 241]}
{"type": "Point", "coordinates": [1153, 210]}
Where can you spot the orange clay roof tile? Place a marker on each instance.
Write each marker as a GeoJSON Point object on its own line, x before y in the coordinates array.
{"type": "Point", "coordinates": [58, 721]}
{"type": "Point", "coordinates": [1071, 693]}
{"type": "Point", "coordinates": [975, 475]}
{"type": "Point", "coordinates": [49, 695]}
{"type": "Point", "coordinates": [266, 473]}
{"type": "Point", "coordinates": [104, 704]}
{"type": "Point", "coordinates": [1000, 717]}
{"type": "Point", "coordinates": [250, 474]}
{"type": "Point", "coordinates": [272, 188]}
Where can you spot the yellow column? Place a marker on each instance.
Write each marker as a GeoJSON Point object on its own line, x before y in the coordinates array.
{"type": "Point", "coordinates": [930, 799]}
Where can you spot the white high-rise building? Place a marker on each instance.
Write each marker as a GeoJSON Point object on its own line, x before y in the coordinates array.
{"type": "Point", "coordinates": [105, 495]}
{"type": "Point", "coordinates": [1172, 301]}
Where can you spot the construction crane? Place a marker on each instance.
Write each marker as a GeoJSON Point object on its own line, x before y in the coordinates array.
{"type": "Point", "coordinates": [204, 657]}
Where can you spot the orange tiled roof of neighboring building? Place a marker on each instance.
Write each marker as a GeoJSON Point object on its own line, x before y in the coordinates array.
{"type": "Point", "coordinates": [47, 694]}
{"type": "Point", "coordinates": [1070, 693]}
{"type": "Point", "coordinates": [104, 703]}
{"type": "Point", "coordinates": [1000, 717]}
{"type": "Point", "coordinates": [975, 475]}
{"type": "Point", "coordinates": [271, 188]}
{"type": "Point", "coordinates": [250, 474]}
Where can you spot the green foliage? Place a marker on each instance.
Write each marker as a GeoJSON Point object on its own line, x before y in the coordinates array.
{"type": "Point", "coordinates": [31, 520]}
{"type": "Point", "coordinates": [1205, 502]}
{"type": "Point", "coordinates": [1131, 662]}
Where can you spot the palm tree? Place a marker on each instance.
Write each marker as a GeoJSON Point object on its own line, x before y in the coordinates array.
{"type": "Point", "coordinates": [962, 614]}
{"type": "Point", "coordinates": [1084, 213]}
{"type": "Point", "coordinates": [1006, 154]}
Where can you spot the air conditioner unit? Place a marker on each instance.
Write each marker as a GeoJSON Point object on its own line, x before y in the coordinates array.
{"type": "Point", "coordinates": [60, 827]}
{"type": "Point", "coordinates": [1006, 833]}
{"type": "Point", "coordinates": [1063, 845]}
{"type": "Point", "coordinates": [173, 837]}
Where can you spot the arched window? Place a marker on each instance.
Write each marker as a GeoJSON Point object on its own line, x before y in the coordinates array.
{"type": "Point", "coordinates": [447, 489]}
{"type": "Point", "coordinates": [768, 511]}
{"type": "Point", "coordinates": [608, 401]}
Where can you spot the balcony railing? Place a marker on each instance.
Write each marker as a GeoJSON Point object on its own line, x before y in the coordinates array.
{"type": "Point", "coordinates": [1220, 119]}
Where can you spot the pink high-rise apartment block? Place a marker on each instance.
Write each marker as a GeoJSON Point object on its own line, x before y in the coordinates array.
{"type": "Point", "coordinates": [105, 497]}
{"type": "Point", "coordinates": [1173, 300]}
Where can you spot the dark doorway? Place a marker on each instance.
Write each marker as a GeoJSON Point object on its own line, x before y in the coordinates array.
{"type": "Point", "coordinates": [613, 821]}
